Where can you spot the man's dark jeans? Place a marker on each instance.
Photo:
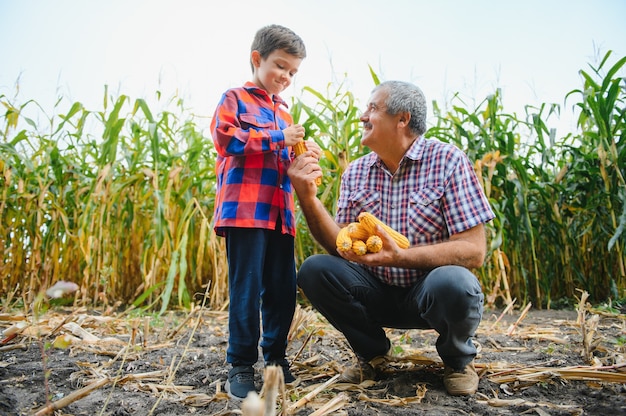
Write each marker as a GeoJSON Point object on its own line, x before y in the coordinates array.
{"type": "Point", "coordinates": [449, 299]}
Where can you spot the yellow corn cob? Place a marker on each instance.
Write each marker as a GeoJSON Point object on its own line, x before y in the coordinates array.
{"type": "Point", "coordinates": [369, 221]}
{"type": "Point", "coordinates": [374, 244]}
{"type": "Point", "coordinates": [359, 247]}
{"type": "Point", "coordinates": [357, 231]}
{"type": "Point", "coordinates": [344, 242]}
{"type": "Point", "coordinates": [300, 148]}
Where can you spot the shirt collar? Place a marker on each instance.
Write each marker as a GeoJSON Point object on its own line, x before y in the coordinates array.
{"type": "Point", "coordinates": [415, 152]}
{"type": "Point", "coordinates": [252, 88]}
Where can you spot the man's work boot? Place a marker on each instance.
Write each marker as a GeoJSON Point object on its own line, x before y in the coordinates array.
{"type": "Point", "coordinates": [461, 382]}
{"type": "Point", "coordinates": [363, 370]}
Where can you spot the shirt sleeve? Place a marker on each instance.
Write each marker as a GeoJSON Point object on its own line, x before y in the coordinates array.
{"type": "Point", "coordinates": [464, 203]}
{"type": "Point", "coordinates": [239, 130]}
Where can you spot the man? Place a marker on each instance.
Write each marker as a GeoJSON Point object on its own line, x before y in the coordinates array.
{"type": "Point", "coordinates": [426, 190]}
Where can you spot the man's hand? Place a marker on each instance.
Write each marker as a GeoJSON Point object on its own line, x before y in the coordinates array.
{"type": "Point", "coordinates": [466, 249]}
{"type": "Point", "coordinates": [389, 255]}
{"type": "Point", "coordinates": [303, 172]}
{"type": "Point", "coordinates": [315, 148]}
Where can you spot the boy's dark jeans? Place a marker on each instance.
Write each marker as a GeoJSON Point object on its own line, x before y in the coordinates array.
{"type": "Point", "coordinates": [359, 305]}
{"type": "Point", "coordinates": [262, 279]}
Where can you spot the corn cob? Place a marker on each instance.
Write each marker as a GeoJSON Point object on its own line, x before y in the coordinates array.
{"type": "Point", "coordinates": [359, 247]}
{"type": "Point", "coordinates": [343, 242]}
{"type": "Point", "coordinates": [357, 231]}
{"type": "Point", "coordinates": [300, 148]}
{"type": "Point", "coordinates": [374, 243]}
{"type": "Point", "coordinates": [369, 221]}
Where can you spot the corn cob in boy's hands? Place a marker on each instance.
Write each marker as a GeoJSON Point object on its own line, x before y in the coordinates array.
{"type": "Point", "coordinates": [300, 148]}
{"type": "Point", "coordinates": [361, 236]}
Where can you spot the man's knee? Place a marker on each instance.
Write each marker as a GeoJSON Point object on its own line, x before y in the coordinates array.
{"type": "Point", "coordinates": [310, 271]}
{"type": "Point", "coordinates": [454, 285]}
{"type": "Point", "coordinates": [455, 278]}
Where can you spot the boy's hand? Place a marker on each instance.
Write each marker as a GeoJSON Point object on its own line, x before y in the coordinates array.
{"type": "Point", "coordinates": [293, 134]}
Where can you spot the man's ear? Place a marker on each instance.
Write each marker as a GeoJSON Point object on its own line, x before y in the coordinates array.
{"type": "Point", "coordinates": [404, 119]}
{"type": "Point", "coordinates": [255, 58]}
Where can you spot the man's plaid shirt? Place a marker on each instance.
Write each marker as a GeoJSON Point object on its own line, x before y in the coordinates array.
{"type": "Point", "coordinates": [434, 193]}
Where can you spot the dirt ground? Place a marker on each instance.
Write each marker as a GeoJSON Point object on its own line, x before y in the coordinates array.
{"type": "Point", "coordinates": [90, 363]}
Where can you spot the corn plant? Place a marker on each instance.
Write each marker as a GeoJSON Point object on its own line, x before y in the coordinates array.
{"type": "Point", "coordinates": [333, 122]}
{"type": "Point", "coordinates": [118, 200]}
{"type": "Point", "coordinates": [599, 166]}
{"type": "Point", "coordinates": [554, 197]}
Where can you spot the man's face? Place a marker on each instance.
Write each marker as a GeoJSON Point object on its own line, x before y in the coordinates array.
{"type": "Point", "coordinates": [379, 127]}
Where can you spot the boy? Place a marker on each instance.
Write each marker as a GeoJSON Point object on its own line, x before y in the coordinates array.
{"type": "Point", "coordinates": [254, 206]}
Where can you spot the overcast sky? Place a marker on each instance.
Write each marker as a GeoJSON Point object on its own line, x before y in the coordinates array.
{"type": "Point", "coordinates": [531, 49]}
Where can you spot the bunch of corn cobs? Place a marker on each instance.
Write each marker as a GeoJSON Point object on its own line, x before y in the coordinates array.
{"type": "Point", "coordinates": [361, 237]}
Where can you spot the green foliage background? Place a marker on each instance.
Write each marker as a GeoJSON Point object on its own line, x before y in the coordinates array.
{"type": "Point", "coordinates": [120, 200]}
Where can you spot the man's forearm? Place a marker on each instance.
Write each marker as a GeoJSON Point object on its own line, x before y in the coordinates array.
{"type": "Point", "coordinates": [465, 249]}
{"type": "Point", "coordinates": [322, 226]}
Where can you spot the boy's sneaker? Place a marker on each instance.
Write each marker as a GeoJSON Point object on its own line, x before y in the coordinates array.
{"type": "Point", "coordinates": [461, 382]}
{"type": "Point", "coordinates": [284, 365]}
{"type": "Point", "coordinates": [240, 381]}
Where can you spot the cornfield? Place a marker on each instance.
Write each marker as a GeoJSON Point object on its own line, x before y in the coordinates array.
{"type": "Point", "coordinates": [120, 200]}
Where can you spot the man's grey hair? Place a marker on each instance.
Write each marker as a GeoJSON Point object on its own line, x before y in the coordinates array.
{"type": "Point", "coordinates": [404, 96]}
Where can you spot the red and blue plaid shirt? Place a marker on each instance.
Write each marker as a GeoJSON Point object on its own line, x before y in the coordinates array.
{"type": "Point", "coordinates": [434, 193]}
{"type": "Point", "coordinates": [253, 189]}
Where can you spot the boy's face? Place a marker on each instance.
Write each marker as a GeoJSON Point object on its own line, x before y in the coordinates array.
{"type": "Point", "coordinates": [275, 73]}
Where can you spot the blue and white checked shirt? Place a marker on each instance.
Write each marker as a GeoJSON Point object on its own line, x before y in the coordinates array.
{"type": "Point", "coordinates": [434, 193]}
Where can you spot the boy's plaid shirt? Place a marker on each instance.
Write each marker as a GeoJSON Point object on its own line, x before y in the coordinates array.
{"type": "Point", "coordinates": [253, 188]}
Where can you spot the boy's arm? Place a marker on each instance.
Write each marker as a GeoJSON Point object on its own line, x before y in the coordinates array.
{"type": "Point", "coordinates": [231, 138]}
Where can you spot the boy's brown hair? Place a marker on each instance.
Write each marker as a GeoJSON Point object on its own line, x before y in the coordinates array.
{"type": "Point", "coordinates": [273, 37]}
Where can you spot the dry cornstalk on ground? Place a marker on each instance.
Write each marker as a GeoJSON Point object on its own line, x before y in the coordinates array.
{"type": "Point", "coordinates": [177, 362]}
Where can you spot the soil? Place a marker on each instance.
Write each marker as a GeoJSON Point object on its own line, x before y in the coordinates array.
{"type": "Point", "coordinates": [530, 362]}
